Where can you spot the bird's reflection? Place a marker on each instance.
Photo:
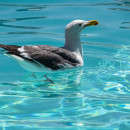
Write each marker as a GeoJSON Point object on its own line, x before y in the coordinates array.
{"type": "Point", "coordinates": [63, 98]}
{"type": "Point", "coordinates": [62, 80]}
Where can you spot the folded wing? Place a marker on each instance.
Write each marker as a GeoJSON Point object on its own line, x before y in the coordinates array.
{"type": "Point", "coordinates": [51, 57]}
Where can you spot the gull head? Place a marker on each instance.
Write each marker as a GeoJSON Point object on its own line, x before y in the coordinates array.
{"type": "Point", "coordinates": [77, 26]}
{"type": "Point", "coordinates": [72, 35]}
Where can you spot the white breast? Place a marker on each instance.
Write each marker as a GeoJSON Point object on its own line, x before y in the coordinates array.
{"type": "Point", "coordinates": [79, 58]}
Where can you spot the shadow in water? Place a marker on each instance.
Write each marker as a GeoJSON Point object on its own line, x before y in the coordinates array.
{"type": "Point", "coordinates": [64, 81]}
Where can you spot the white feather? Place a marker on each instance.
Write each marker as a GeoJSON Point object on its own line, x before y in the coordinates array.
{"type": "Point", "coordinates": [21, 49]}
{"type": "Point", "coordinates": [29, 65]}
{"type": "Point", "coordinates": [25, 55]}
{"type": "Point", "coordinates": [36, 47]}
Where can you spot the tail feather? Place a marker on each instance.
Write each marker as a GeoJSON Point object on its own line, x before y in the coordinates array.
{"type": "Point", "coordinates": [11, 48]}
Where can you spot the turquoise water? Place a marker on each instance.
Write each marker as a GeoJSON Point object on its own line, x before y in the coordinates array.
{"type": "Point", "coordinates": [94, 97]}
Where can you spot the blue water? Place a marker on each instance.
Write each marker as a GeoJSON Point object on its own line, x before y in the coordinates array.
{"type": "Point", "coordinates": [95, 97]}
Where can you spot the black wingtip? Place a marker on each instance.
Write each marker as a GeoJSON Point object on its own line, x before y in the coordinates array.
{"type": "Point", "coordinates": [2, 46]}
{"type": "Point", "coordinates": [11, 48]}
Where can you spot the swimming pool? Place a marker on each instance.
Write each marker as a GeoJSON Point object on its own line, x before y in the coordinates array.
{"type": "Point", "coordinates": [94, 97]}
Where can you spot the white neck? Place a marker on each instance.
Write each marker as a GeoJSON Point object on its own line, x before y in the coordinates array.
{"type": "Point", "coordinates": [73, 43]}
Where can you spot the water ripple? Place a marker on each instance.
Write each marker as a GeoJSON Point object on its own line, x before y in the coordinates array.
{"type": "Point", "coordinates": [20, 19]}
{"type": "Point", "coordinates": [43, 6]}
{"type": "Point", "coordinates": [23, 27]}
{"type": "Point", "coordinates": [119, 9]}
{"type": "Point", "coordinates": [95, 96]}
{"type": "Point", "coordinates": [32, 9]}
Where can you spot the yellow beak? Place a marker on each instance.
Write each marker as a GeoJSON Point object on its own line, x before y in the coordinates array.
{"type": "Point", "coordinates": [91, 23]}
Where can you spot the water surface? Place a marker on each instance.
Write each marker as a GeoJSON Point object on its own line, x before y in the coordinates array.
{"type": "Point", "coordinates": [94, 97]}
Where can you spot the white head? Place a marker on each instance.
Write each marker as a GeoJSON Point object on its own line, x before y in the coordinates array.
{"type": "Point", "coordinates": [72, 35]}
{"type": "Point", "coordinates": [73, 30]}
{"type": "Point", "coordinates": [76, 26]}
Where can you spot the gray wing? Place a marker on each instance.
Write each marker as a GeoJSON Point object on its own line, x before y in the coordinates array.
{"type": "Point", "coordinates": [49, 56]}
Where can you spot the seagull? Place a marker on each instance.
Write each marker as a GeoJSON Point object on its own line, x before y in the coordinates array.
{"type": "Point", "coordinates": [44, 58]}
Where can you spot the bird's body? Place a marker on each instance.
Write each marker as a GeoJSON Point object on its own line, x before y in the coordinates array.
{"type": "Point", "coordinates": [41, 58]}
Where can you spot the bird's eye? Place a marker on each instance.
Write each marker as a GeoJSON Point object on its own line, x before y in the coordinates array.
{"type": "Point", "coordinates": [80, 24]}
